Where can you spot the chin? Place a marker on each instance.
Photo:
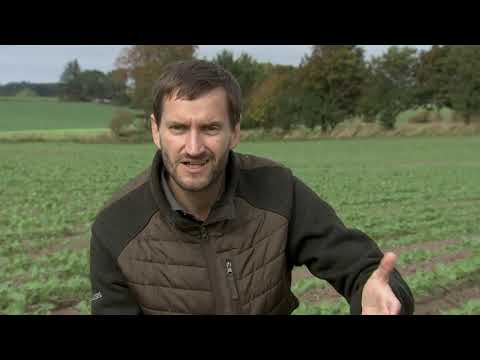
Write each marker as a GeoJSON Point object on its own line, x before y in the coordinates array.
{"type": "Point", "coordinates": [196, 185]}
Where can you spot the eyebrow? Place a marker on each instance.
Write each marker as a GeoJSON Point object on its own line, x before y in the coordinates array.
{"type": "Point", "coordinates": [173, 121]}
{"type": "Point", "coordinates": [214, 122]}
{"type": "Point", "coordinates": [170, 122]}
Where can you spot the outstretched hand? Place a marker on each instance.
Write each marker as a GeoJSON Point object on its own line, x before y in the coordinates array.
{"type": "Point", "coordinates": [377, 296]}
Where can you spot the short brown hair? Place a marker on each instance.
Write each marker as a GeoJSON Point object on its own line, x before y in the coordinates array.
{"type": "Point", "coordinates": [194, 78]}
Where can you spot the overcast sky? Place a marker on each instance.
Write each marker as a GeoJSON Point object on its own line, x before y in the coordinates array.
{"type": "Point", "coordinates": [45, 63]}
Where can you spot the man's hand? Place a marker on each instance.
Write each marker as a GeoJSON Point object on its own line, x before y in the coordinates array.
{"type": "Point", "coordinates": [377, 296]}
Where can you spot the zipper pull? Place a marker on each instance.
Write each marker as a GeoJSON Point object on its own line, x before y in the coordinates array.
{"type": "Point", "coordinates": [231, 280]}
{"type": "Point", "coordinates": [229, 267]}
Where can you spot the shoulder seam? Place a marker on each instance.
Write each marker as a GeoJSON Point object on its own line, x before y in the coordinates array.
{"type": "Point", "coordinates": [130, 240]}
{"type": "Point", "coordinates": [261, 208]}
{"type": "Point", "coordinates": [96, 228]}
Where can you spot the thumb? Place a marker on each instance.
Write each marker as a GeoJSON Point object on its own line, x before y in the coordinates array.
{"type": "Point", "coordinates": [386, 266]}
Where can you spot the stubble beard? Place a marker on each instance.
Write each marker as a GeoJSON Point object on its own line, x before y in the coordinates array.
{"type": "Point", "coordinates": [214, 176]}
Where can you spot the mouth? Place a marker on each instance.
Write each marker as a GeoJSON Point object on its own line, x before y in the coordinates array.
{"type": "Point", "coordinates": [195, 165]}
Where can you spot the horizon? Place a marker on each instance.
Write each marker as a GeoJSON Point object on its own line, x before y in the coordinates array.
{"type": "Point", "coordinates": [42, 64]}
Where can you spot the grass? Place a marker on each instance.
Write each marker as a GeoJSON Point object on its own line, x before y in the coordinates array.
{"type": "Point", "coordinates": [444, 275]}
{"type": "Point", "coordinates": [20, 114]}
{"type": "Point", "coordinates": [339, 307]}
{"type": "Point", "coordinates": [471, 307]}
{"type": "Point", "coordinates": [304, 285]}
{"type": "Point", "coordinates": [421, 283]}
{"type": "Point", "coordinates": [399, 191]}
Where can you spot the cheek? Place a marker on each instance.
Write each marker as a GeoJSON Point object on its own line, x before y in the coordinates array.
{"type": "Point", "coordinates": [169, 145]}
{"type": "Point", "coordinates": [218, 145]}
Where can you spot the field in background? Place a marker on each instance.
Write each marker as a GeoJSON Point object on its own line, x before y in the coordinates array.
{"type": "Point", "coordinates": [35, 119]}
{"type": "Point", "coordinates": [20, 114]}
{"type": "Point", "coordinates": [417, 196]}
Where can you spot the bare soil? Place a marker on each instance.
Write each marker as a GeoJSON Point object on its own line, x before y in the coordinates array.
{"type": "Point", "coordinates": [436, 302]}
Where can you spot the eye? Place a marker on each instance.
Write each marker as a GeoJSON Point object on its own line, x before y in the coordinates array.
{"type": "Point", "coordinates": [177, 127]}
{"type": "Point", "coordinates": [212, 129]}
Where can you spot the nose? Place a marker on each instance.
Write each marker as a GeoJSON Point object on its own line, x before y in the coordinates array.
{"type": "Point", "coordinates": [194, 144]}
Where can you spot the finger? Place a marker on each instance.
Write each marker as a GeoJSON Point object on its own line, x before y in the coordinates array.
{"type": "Point", "coordinates": [386, 266]}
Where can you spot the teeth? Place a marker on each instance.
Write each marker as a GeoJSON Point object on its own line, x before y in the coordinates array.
{"type": "Point", "coordinates": [191, 163]}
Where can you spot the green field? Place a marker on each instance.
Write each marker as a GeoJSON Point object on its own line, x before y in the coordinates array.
{"type": "Point", "coordinates": [19, 114]}
{"type": "Point", "coordinates": [420, 195]}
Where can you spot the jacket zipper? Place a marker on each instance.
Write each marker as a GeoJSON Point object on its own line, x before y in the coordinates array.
{"type": "Point", "coordinates": [231, 280]}
{"type": "Point", "coordinates": [210, 257]}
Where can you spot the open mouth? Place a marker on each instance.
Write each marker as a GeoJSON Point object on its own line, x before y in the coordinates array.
{"type": "Point", "coordinates": [195, 165]}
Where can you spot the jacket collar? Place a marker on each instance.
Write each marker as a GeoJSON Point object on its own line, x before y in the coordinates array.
{"type": "Point", "coordinates": [223, 209]}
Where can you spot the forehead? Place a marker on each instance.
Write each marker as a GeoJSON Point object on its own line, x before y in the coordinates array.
{"type": "Point", "coordinates": [212, 105]}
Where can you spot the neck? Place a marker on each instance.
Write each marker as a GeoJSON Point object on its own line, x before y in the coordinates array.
{"type": "Point", "coordinates": [198, 203]}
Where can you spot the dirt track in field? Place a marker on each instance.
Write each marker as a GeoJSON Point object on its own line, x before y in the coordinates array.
{"type": "Point", "coordinates": [444, 299]}
{"type": "Point", "coordinates": [66, 311]}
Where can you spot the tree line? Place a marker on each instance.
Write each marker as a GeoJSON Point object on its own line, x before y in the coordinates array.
{"type": "Point", "coordinates": [30, 89]}
{"type": "Point", "coordinates": [333, 83]}
{"type": "Point", "coordinates": [76, 84]}
{"type": "Point", "coordinates": [93, 85]}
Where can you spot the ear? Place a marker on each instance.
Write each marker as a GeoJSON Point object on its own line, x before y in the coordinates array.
{"type": "Point", "coordinates": [155, 131]}
{"type": "Point", "coordinates": [235, 136]}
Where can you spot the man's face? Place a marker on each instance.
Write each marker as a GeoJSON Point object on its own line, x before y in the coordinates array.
{"type": "Point", "coordinates": [195, 138]}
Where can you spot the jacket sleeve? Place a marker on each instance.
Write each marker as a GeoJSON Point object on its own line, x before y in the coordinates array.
{"type": "Point", "coordinates": [110, 293]}
{"type": "Point", "coordinates": [344, 257]}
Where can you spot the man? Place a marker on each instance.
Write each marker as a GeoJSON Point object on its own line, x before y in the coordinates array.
{"type": "Point", "coordinates": [205, 230]}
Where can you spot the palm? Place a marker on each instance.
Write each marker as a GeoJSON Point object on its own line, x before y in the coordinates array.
{"type": "Point", "coordinates": [377, 296]}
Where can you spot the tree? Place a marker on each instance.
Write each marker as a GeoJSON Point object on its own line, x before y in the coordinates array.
{"type": "Point", "coordinates": [390, 86]}
{"type": "Point", "coordinates": [284, 109]}
{"type": "Point", "coordinates": [265, 96]}
{"type": "Point", "coordinates": [71, 72]}
{"type": "Point", "coordinates": [143, 64]}
{"type": "Point", "coordinates": [70, 85]}
{"type": "Point", "coordinates": [225, 59]}
{"type": "Point", "coordinates": [93, 85]}
{"type": "Point", "coordinates": [245, 69]}
{"type": "Point", "coordinates": [327, 50]}
{"type": "Point", "coordinates": [433, 77]}
{"type": "Point", "coordinates": [46, 89]}
{"type": "Point", "coordinates": [117, 87]}
{"type": "Point", "coordinates": [462, 64]}
{"type": "Point", "coordinates": [332, 78]}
